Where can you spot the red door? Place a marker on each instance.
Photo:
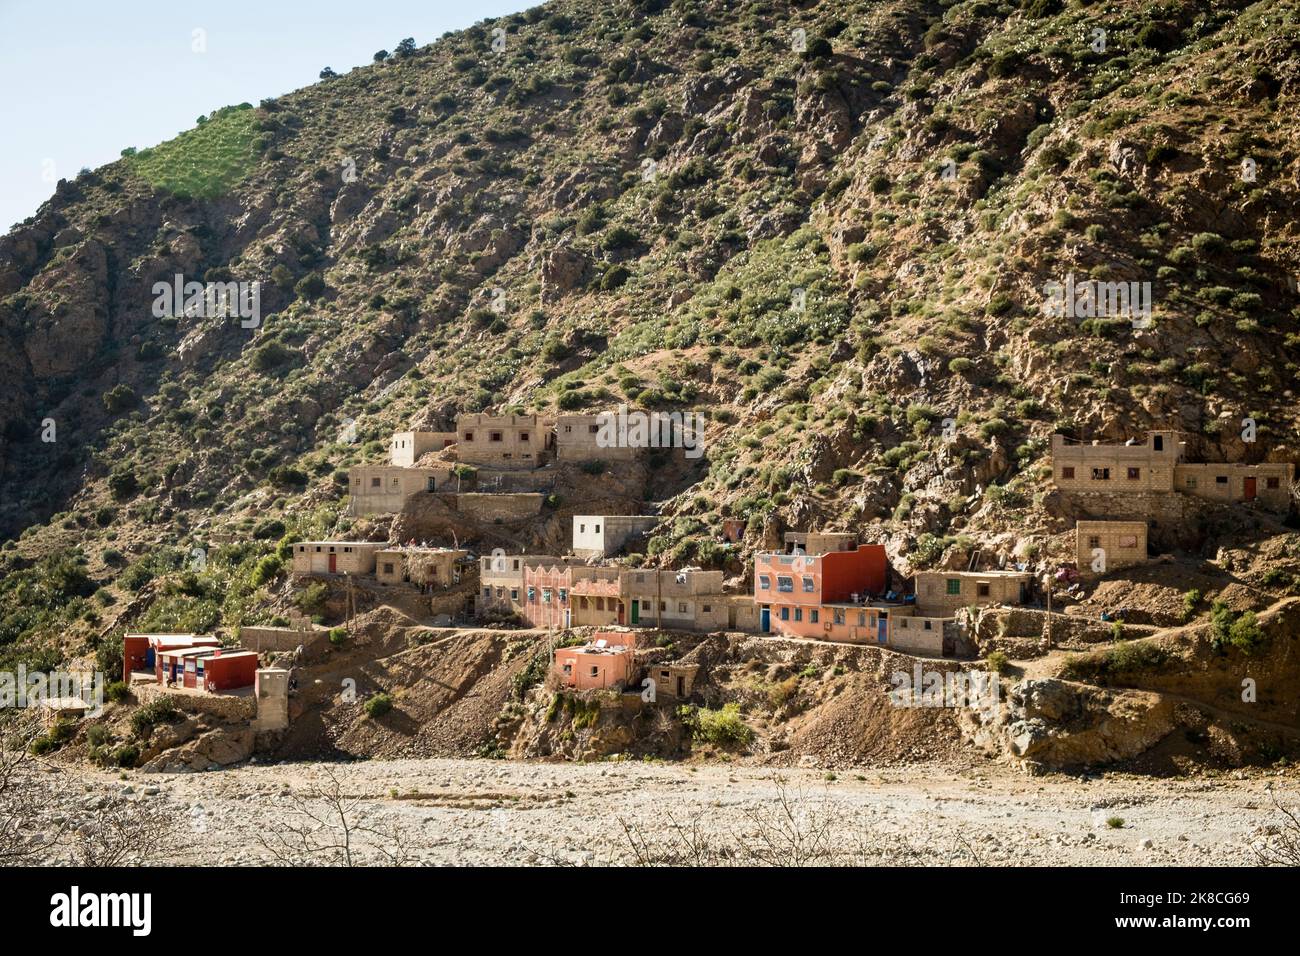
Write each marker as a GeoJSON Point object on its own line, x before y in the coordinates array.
{"type": "Point", "coordinates": [334, 563]}
{"type": "Point", "coordinates": [1250, 489]}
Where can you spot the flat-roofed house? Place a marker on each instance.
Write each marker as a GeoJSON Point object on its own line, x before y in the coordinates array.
{"type": "Point", "coordinates": [940, 593]}
{"type": "Point", "coordinates": [421, 566]}
{"type": "Point", "coordinates": [581, 438]}
{"type": "Point", "coordinates": [599, 536]}
{"type": "Point", "coordinates": [384, 489]}
{"type": "Point", "coordinates": [406, 448]}
{"type": "Point", "coordinates": [1110, 544]}
{"type": "Point", "coordinates": [335, 557]}
{"type": "Point", "coordinates": [598, 665]}
{"type": "Point", "coordinates": [820, 595]}
{"type": "Point", "coordinates": [689, 599]}
{"type": "Point", "coordinates": [504, 441]}
{"type": "Point", "coordinates": [1158, 464]}
{"type": "Point", "coordinates": [501, 580]}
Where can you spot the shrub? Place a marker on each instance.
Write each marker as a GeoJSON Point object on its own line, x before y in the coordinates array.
{"type": "Point", "coordinates": [122, 483]}
{"type": "Point", "coordinates": [998, 662]}
{"type": "Point", "coordinates": [117, 691]}
{"type": "Point", "coordinates": [161, 710]}
{"type": "Point", "coordinates": [723, 726]}
{"type": "Point", "coordinates": [310, 286]}
{"type": "Point", "coordinates": [338, 635]}
{"type": "Point", "coordinates": [266, 570]}
{"type": "Point", "coordinates": [120, 398]}
{"type": "Point", "coordinates": [378, 705]}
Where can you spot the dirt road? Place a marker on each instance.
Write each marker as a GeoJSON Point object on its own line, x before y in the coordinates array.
{"type": "Point", "coordinates": [472, 812]}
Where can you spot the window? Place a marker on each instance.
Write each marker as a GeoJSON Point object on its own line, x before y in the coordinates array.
{"type": "Point", "coordinates": [807, 583]}
{"type": "Point", "coordinates": [1272, 483]}
{"type": "Point", "coordinates": [595, 671]}
{"type": "Point", "coordinates": [523, 436]}
{"type": "Point", "coordinates": [1068, 473]}
{"type": "Point", "coordinates": [1134, 474]}
{"type": "Point", "coordinates": [487, 593]}
{"type": "Point", "coordinates": [928, 625]}
{"type": "Point", "coordinates": [706, 608]}
{"type": "Point", "coordinates": [862, 618]}
{"type": "Point", "coordinates": [356, 482]}
{"type": "Point", "coordinates": [954, 586]}
{"type": "Point", "coordinates": [764, 582]}
{"type": "Point", "coordinates": [469, 436]}
{"type": "Point", "coordinates": [568, 668]}
{"type": "Point", "coordinates": [1094, 541]}
{"type": "Point", "coordinates": [1220, 479]}
{"type": "Point", "coordinates": [1101, 474]}
{"type": "Point", "coordinates": [838, 615]}
{"type": "Point", "coordinates": [681, 607]}
{"type": "Point", "coordinates": [388, 567]}
{"type": "Point", "coordinates": [784, 584]}
{"type": "Point", "coordinates": [645, 605]}
{"type": "Point", "coordinates": [785, 614]}
{"type": "Point", "coordinates": [902, 622]}
{"type": "Point", "coordinates": [375, 482]}
{"type": "Point", "coordinates": [813, 615]}
{"type": "Point", "coordinates": [596, 529]}
{"type": "Point", "coordinates": [1158, 442]}
{"type": "Point", "coordinates": [582, 529]}
{"type": "Point", "coordinates": [593, 428]}
{"type": "Point", "coordinates": [1191, 482]}
{"type": "Point", "coordinates": [982, 589]}
{"type": "Point", "coordinates": [494, 436]}
{"type": "Point", "coordinates": [798, 614]}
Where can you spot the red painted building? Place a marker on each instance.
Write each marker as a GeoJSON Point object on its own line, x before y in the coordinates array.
{"type": "Point", "coordinates": [140, 651]}
{"type": "Point", "coordinates": [229, 670]}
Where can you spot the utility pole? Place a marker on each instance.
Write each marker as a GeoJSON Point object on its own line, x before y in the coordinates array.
{"type": "Point", "coordinates": [1047, 583]}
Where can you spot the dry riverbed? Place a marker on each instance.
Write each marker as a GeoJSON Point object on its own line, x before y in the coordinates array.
{"type": "Point", "coordinates": [474, 812]}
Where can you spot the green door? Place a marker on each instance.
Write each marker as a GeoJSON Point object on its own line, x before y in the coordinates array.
{"type": "Point", "coordinates": [636, 612]}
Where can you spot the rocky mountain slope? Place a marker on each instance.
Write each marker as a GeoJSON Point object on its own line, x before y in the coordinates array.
{"type": "Point", "coordinates": [829, 225]}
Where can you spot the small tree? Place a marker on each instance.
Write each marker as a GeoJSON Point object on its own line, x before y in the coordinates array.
{"type": "Point", "coordinates": [327, 74]}
{"type": "Point", "coordinates": [381, 56]}
{"type": "Point", "coordinates": [406, 48]}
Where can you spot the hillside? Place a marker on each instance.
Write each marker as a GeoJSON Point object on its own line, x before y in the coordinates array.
{"type": "Point", "coordinates": [830, 250]}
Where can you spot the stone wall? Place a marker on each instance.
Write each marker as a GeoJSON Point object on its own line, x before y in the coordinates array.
{"type": "Point", "coordinates": [261, 639]}
{"type": "Point", "coordinates": [224, 706]}
{"type": "Point", "coordinates": [508, 507]}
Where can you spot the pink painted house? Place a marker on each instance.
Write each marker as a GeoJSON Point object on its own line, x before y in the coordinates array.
{"type": "Point", "coordinates": [595, 666]}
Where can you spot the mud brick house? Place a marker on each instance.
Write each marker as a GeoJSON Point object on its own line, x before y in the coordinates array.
{"type": "Point", "coordinates": [595, 596]}
{"type": "Point", "coordinates": [1123, 544]}
{"type": "Point", "coordinates": [598, 665]}
{"type": "Point", "coordinates": [1158, 465]}
{"type": "Point", "coordinates": [504, 441]}
{"type": "Point", "coordinates": [433, 567]}
{"type": "Point", "coordinates": [406, 448]}
{"type": "Point", "coordinates": [335, 557]}
{"type": "Point", "coordinates": [940, 593]}
{"type": "Point", "coordinates": [383, 489]}
{"type": "Point", "coordinates": [689, 600]}
{"type": "Point", "coordinates": [577, 438]}
{"type": "Point", "coordinates": [599, 536]}
{"type": "Point", "coordinates": [673, 681]}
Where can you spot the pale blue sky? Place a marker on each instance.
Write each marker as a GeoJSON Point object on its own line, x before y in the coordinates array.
{"type": "Point", "coordinates": [83, 79]}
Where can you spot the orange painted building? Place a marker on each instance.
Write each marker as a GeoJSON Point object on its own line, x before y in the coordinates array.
{"type": "Point", "coordinates": [832, 596]}
{"type": "Point", "coordinates": [595, 666]}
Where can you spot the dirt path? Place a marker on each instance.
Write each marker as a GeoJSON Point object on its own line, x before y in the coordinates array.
{"type": "Point", "coordinates": [472, 812]}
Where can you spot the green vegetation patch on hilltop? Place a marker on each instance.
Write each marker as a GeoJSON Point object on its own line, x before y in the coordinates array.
{"type": "Point", "coordinates": [205, 162]}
